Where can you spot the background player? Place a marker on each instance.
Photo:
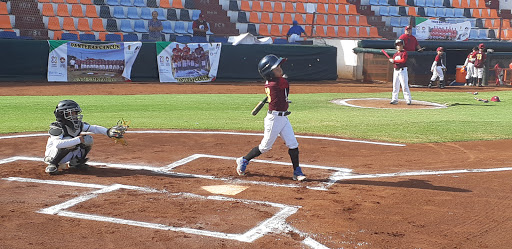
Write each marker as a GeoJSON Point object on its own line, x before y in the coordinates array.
{"type": "Point", "coordinates": [276, 121]}
{"type": "Point", "coordinates": [66, 144]}
{"type": "Point", "coordinates": [470, 67]}
{"type": "Point", "coordinates": [400, 76]}
{"type": "Point", "coordinates": [438, 69]}
{"type": "Point", "coordinates": [480, 57]}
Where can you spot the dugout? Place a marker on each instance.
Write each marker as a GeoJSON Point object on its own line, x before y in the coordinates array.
{"type": "Point", "coordinates": [376, 66]}
{"type": "Point", "coordinates": [27, 60]}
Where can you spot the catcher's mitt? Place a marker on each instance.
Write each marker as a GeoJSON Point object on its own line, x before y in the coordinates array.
{"type": "Point", "coordinates": [117, 132]}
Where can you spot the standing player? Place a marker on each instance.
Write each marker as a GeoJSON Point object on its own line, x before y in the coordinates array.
{"type": "Point", "coordinates": [438, 69]}
{"type": "Point", "coordinates": [66, 143]}
{"type": "Point", "coordinates": [400, 76]}
{"type": "Point", "coordinates": [276, 121]}
{"type": "Point", "coordinates": [480, 57]}
{"type": "Point", "coordinates": [470, 67]}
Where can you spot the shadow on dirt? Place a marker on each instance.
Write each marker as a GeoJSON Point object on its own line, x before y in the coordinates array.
{"type": "Point", "coordinates": [411, 183]}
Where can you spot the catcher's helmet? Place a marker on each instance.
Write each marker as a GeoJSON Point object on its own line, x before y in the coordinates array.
{"type": "Point", "coordinates": [269, 63]}
{"type": "Point", "coordinates": [68, 112]}
{"type": "Point", "coordinates": [399, 41]}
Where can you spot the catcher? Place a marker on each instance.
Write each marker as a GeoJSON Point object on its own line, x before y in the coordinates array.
{"type": "Point", "coordinates": [66, 144]}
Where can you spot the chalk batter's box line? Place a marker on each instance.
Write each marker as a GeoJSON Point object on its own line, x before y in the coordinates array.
{"type": "Point", "coordinates": [168, 170]}
{"type": "Point", "coordinates": [274, 223]}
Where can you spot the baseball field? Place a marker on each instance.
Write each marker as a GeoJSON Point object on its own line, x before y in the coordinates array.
{"type": "Point", "coordinates": [435, 174]}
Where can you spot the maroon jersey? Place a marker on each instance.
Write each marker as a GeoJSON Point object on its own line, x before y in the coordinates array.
{"type": "Point", "coordinates": [400, 58]}
{"type": "Point", "coordinates": [471, 57]}
{"type": "Point", "coordinates": [438, 61]}
{"type": "Point", "coordinates": [480, 59]}
{"type": "Point", "coordinates": [277, 93]}
{"type": "Point", "coordinates": [410, 42]}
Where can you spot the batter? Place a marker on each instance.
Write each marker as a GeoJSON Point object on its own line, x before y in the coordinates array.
{"type": "Point", "coordinates": [400, 76]}
{"type": "Point", "coordinates": [276, 122]}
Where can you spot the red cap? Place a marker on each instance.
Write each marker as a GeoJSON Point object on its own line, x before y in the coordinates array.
{"type": "Point", "coordinates": [440, 49]}
{"type": "Point", "coordinates": [481, 45]}
{"type": "Point", "coordinates": [408, 27]}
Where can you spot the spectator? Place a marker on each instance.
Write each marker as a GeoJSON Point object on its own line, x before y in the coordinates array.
{"type": "Point", "coordinates": [200, 26]}
{"type": "Point", "coordinates": [295, 32]}
{"type": "Point", "coordinates": [155, 26]}
{"type": "Point", "coordinates": [411, 44]}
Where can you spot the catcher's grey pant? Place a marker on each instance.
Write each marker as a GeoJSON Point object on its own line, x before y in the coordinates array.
{"type": "Point", "coordinates": [275, 125]}
{"type": "Point", "coordinates": [401, 78]}
{"type": "Point", "coordinates": [63, 156]}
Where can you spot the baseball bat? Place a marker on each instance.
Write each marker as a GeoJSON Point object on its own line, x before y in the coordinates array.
{"type": "Point", "coordinates": [386, 54]}
{"type": "Point", "coordinates": [258, 107]}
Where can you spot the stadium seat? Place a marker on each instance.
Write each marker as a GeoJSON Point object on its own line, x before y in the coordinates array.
{"type": "Point", "coordinates": [383, 11]}
{"type": "Point", "coordinates": [57, 34]}
{"type": "Point", "coordinates": [374, 33]}
{"type": "Point", "coordinates": [420, 3]}
{"type": "Point", "coordinates": [47, 9]}
{"type": "Point", "coordinates": [62, 10]}
{"type": "Point", "coordinates": [309, 19]}
{"type": "Point", "coordinates": [145, 13]}
{"type": "Point", "coordinates": [458, 13]}
{"type": "Point", "coordinates": [393, 11]}
{"type": "Point", "coordinates": [278, 7]}
{"type": "Point", "coordinates": [256, 6]}
{"type": "Point", "coordinates": [373, 2]}
{"type": "Point", "coordinates": [363, 32]}
{"type": "Point", "coordinates": [105, 12]}
{"type": "Point", "coordinates": [383, 2]}
{"type": "Point", "coordinates": [58, 1]}
{"type": "Point", "coordinates": [99, 2]}
{"type": "Point", "coordinates": [299, 18]}
{"type": "Point", "coordinates": [320, 20]}
{"type": "Point", "coordinates": [331, 32]}
{"type": "Point", "coordinates": [126, 26]}
{"type": "Point", "coordinates": [233, 6]}
{"type": "Point", "coordinates": [251, 29]}
{"type": "Point", "coordinates": [449, 13]}
{"type": "Point", "coordinates": [179, 28]}
{"type": "Point", "coordinates": [139, 3]}
{"type": "Point", "coordinates": [421, 12]}
{"type": "Point", "coordinates": [165, 4]}
{"type": "Point", "coordinates": [483, 34]}
{"type": "Point", "coordinates": [91, 11]}
{"type": "Point", "coordinates": [112, 25]}
{"type": "Point", "coordinates": [320, 9]}
{"type": "Point", "coordinates": [161, 14]}
{"type": "Point", "coordinates": [53, 23]}
{"type": "Point", "coordinates": [97, 25]}
{"type": "Point", "coordinates": [464, 4]}
{"type": "Point", "coordinates": [440, 12]}
{"type": "Point", "coordinates": [126, 3]}
{"type": "Point", "coordinates": [473, 34]}
{"type": "Point", "coordinates": [394, 22]}
{"type": "Point", "coordinates": [401, 3]}
{"type": "Point", "coordinates": [172, 15]}
{"type": "Point", "coordinates": [133, 13]}
{"type": "Point", "coordinates": [151, 4]}
{"type": "Point", "coordinates": [86, 2]}
{"type": "Point", "coordinates": [167, 28]}
{"type": "Point", "coordinates": [8, 35]}
{"type": "Point", "coordinates": [119, 12]}
{"type": "Point", "coordinates": [265, 17]}
{"type": "Point", "coordinates": [195, 14]}
{"type": "Point", "coordinates": [352, 32]}
{"type": "Point", "coordinates": [429, 3]}
{"type": "Point", "coordinates": [430, 12]}
{"type": "Point", "coordinates": [267, 7]}
{"type": "Point", "coordinates": [352, 21]}
{"type": "Point", "coordinates": [412, 11]}
{"type": "Point", "coordinates": [183, 39]}
{"type": "Point", "coordinates": [254, 17]}
{"type": "Point", "coordinates": [342, 9]}
{"type": "Point", "coordinates": [404, 21]}
{"type": "Point", "coordinates": [342, 32]}
{"type": "Point", "coordinates": [69, 37]}
{"type": "Point", "coordinates": [332, 20]}
{"type": "Point", "coordinates": [277, 18]}
{"type": "Point", "coordinates": [113, 37]}
{"type": "Point", "coordinates": [189, 4]}
{"type": "Point", "coordinates": [288, 7]}
{"type": "Point", "coordinates": [477, 13]}
{"type": "Point", "coordinates": [68, 24]}
{"type": "Point", "coordinates": [87, 37]}
{"type": "Point", "coordinates": [438, 4]}
{"type": "Point", "coordinates": [83, 25]}
{"type": "Point", "coordinates": [185, 15]}
{"type": "Point", "coordinates": [263, 30]}
{"type": "Point", "coordinates": [342, 20]}
{"type": "Point", "coordinates": [140, 26]}
{"type": "Point", "coordinates": [112, 2]}
{"type": "Point", "coordinates": [320, 31]}
{"type": "Point", "coordinates": [280, 41]}
{"type": "Point", "coordinates": [402, 11]}
{"type": "Point", "coordinates": [242, 17]}
{"type": "Point", "coordinates": [245, 6]}
{"type": "Point", "coordinates": [275, 30]}
{"type": "Point", "coordinates": [506, 24]}
{"type": "Point", "coordinates": [198, 39]}
{"type": "Point", "coordinates": [299, 8]}
{"type": "Point", "coordinates": [177, 4]}
{"type": "Point", "coordinates": [130, 37]}
{"type": "Point", "coordinates": [44, 1]}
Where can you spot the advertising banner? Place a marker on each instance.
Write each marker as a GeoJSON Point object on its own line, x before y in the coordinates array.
{"type": "Point", "coordinates": [433, 29]}
{"type": "Point", "coordinates": [192, 62]}
{"type": "Point", "coordinates": [81, 62]}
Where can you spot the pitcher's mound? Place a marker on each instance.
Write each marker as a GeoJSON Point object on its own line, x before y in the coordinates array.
{"type": "Point", "coordinates": [381, 103]}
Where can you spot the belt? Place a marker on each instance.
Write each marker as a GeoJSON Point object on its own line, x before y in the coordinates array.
{"type": "Point", "coordinates": [278, 113]}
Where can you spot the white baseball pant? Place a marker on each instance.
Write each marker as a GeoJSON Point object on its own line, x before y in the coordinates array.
{"type": "Point", "coordinates": [401, 78]}
{"type": "Point", "coordinates": [276, 125]}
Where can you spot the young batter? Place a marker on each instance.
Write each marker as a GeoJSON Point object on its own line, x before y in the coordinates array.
{"type": "Point", "coordinates": [400, 76]}
{"type": "Point", "coordinates": [437, 69]}
{"type": "Point", "coordinates": [276, 121]}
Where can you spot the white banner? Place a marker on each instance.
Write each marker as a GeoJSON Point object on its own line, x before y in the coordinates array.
{"type": "Point", "coordinates": [81, 62]}
{"type": "Point", "coordinates": [433, 29]}
{"type": "Point", "coordinates": [192, 62]}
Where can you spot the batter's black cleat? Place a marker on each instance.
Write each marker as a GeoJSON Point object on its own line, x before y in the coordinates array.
{"type": "Point", "coordinates": [51, 169]}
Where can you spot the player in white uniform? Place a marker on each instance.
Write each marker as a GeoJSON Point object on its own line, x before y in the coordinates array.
{"type": "Point", "coordinates": [400, 76]}
{"type": "Point", "coordinates": [438, 69]}
{"type": "Point", "coordinates": [66, 144]}
{"type": "Point", "coordinates": [470, 67]}
{"type": "Point", "coordinates": [276, 121]}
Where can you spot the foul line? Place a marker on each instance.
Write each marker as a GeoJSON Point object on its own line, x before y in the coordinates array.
{"type": "Point", "coordinates": [225, 133]}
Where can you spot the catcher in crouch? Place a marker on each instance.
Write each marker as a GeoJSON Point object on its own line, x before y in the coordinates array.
{"type": "Point", "coordinates": [276, 122]}
{"type": "Point", "coordinates": [66, 144]}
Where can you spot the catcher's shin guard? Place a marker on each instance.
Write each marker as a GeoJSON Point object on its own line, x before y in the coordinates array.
{"type": "Point", "coordinates": [61, 153]}
{"type": "Point", "coordinates": [294, 156]}
{"type": "Point", "coordinates": [430, 84]}
{"type": "Point", "coordinates": [80, 162]}
{"type": "Point", "coordinates": [441, 84]}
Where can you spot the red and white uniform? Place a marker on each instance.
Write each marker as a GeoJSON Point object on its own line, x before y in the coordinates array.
{"type": "Point", "coordinates": [276, 123]}
{"type": "Point", "coordinates": [470, 66]}
{"type": "Point", "coordinates": [400, 76]}
{"type": "Point", "coordinates": [437, 69]}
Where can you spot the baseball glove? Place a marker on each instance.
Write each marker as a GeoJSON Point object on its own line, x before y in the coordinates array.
{"type": "Point", "coordinates": [117, 132]}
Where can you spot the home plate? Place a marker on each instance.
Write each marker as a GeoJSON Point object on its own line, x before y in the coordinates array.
{"type": "Point", "coordinates": [224, 189]}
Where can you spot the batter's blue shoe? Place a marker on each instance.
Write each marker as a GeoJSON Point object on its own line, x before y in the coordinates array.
{"type": "Point", "coordinates": [298, 175]}
{"type": "Point", "coordinates": [241, 164]}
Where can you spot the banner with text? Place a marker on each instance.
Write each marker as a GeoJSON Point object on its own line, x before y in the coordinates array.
{"type": "Point", "coordinates": [80, 62]}
{"type": "Point", "coordinates": [192, 62]}
{"type": "Point", "coordinates": [433, 29]}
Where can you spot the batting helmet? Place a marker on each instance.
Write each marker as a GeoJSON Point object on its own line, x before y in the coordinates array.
{"type": "Point", "coordinates": [399, 41]}
{"type": "Point", "coordinates": [495, 99]}
{"type": "Point", "coordinates": [68, 112]}
{"type": "Point", "coordinates": [269, 63]}
{"type": "Point", "coordinates": [482, 46]}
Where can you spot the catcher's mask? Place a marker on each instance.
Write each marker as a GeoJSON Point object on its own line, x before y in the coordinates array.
{"type": "Point", "coordinates": [269, 63]}
{"type": "Point", "coordinates": [68, 112]}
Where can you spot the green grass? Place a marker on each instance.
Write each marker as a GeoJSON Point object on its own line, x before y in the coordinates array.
{"type": "Point", "coordinates": [466, 120]}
